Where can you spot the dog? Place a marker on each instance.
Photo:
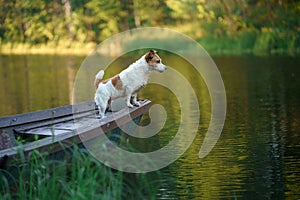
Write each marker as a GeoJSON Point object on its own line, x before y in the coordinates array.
{"type": "Point", "coordinates": [127, 83]}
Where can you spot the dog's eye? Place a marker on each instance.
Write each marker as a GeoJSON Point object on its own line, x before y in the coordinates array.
{"type": "Point", "coordinates": [158, 61]}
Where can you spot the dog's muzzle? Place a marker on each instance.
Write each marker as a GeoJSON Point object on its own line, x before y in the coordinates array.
{"type": "Point", "coordinates": [161, 68]}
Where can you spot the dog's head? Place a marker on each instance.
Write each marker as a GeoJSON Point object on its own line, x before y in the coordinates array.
{"type": "Point", "coordinates": [154, 61]}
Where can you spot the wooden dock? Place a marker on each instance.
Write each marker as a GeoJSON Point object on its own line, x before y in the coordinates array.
{"type": "Point", "coordinates": [58, 128]}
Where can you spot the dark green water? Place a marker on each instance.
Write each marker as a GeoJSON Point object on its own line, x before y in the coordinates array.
{"type": "Point", "coordinates": [258, 153]}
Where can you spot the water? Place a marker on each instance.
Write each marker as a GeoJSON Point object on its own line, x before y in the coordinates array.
{"type": "Point", "coordinates": [258, 153]}
{"type": "Point", "coordinates": [30, 83]}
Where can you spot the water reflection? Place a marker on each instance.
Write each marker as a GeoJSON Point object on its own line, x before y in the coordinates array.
{"type": "Point", "coordinates": [30, 83]}
{"type": "Point", "coordinates": [258, 154]}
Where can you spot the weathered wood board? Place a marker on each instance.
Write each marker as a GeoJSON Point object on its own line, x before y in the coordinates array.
{"type": "Point", "coordinates": [63, 126]}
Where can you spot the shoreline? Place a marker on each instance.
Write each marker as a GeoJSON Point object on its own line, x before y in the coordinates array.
{"type": "Point", "coordinates": [47, 49]}
{"type": "Point", "coordinates": [86, 49]}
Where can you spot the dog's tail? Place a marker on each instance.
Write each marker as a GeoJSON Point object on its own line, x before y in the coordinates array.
{"type": "Point", "coordinates": [98, 78]}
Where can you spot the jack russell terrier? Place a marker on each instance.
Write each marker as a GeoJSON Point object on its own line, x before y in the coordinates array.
{"type": "Point", "coordinates": [127, 83]}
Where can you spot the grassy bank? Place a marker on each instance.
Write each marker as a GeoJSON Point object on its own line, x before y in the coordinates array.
{"type": "Point", "coordinates": [64, 47]}
{"type": "Point", "coordinates": [253, 42]}
{"type": "Point", "coordinates": [265, 42]}
{"type": "Point", "coordinates": [76, 176]}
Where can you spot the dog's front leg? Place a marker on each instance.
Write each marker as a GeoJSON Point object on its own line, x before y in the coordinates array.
{"type": "Point", "coordinates": [128, 98]}
{"type": "Point", "coordinates": [134, 100]}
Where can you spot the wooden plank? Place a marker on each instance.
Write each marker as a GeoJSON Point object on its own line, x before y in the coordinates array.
{"type": "Point", "coordinates": [56, 129]}
{"type": "Point", "coordinates": [24, 127]}
{"type": "Point", "coordinates": [48, 131]}
{"type": "Point", "coordinates": [49, 114]}
{"type": "Point", "coordinates": [86, 129]}
{"type": "Point", "coordinates": [7, 139]}
{"type": "Point", "coordinates": [111, 121]}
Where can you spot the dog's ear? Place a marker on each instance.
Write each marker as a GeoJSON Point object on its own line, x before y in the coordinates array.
{"type": "Point", "coordinates": [153, 51]}
{"type": "Point", "coordinates": [150, 55]}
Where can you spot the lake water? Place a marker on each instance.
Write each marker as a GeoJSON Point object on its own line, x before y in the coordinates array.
{"type": "Point", "coordinates": [258, 153]}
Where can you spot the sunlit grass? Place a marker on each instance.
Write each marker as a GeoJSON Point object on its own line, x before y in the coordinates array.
{"type": "Point", "coordinates": [62, 47]}
{"type": "Point", "coordinates": [266, 41]}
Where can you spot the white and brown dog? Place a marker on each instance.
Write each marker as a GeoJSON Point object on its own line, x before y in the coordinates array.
{"type": "Point", "coordinates": [127, 83]}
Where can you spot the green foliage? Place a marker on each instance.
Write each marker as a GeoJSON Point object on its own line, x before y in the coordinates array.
{"type": "Point", "coordinates": [257, 25]}
{"type": "Point", "coordinates": [72, 174]}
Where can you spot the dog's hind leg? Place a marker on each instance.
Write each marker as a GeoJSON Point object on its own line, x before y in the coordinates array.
{"type": "Point", "coordinates": [102, 105]}
{"type": "Point", "coordinates": [102, 109]}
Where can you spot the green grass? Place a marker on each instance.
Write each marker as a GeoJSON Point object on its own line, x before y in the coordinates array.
{"type": "Point", "coordinates": [249, 41]}
{"type": "Point", "coordinates": [265, 42]}
{"type": "Point", "coordinates": [75, 176]}
{"type": "Point", "coordinates": [63, 47]}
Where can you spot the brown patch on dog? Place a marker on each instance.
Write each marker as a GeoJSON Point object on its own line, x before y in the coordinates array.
{"type": "Point", "coordinates": [152, 58]}
{"type": "Point", "coordinates": [117, 83]}
{"type": "Point", "coordinates": [97, 82]}
{"type": "Point", "coordinates": [149, 56]}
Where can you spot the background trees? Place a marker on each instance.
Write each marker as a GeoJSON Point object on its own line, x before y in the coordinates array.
{"type": "Point", "coordinates": [253, 24]}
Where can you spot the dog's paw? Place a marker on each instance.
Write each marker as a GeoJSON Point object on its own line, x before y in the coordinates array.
{"type": "Point", "coordinates": [100, 116]}
{"type": "Point", "coordinates": [137, 104]}
{"type": "Point", "coordinates": [129, 105]}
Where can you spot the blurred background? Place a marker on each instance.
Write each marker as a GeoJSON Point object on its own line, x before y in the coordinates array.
{"type": "Point", "coordinates": [223, 26]}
